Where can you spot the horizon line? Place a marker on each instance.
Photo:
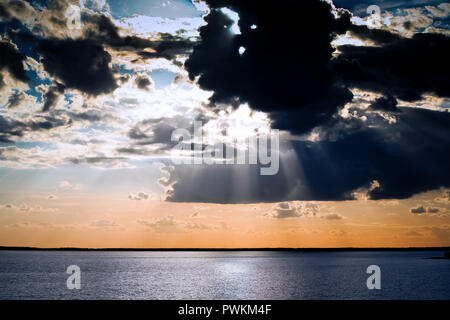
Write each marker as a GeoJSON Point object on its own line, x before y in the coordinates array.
{"type": "Point", "coordinates": [4, 248]}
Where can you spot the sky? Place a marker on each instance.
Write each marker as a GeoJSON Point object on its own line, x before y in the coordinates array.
{"type": "Point", "coordinates": [353, 97]}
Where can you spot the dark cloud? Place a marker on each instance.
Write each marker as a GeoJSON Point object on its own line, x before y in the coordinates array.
{"type": "Point", "coordinates": [83, 63]}
{"type": "Point", "coordinates": [288, 70]}
{"type": "Point", "coordinates": [52, 95]}
{"type": "Point", "coordinates": [15, 99]}
{"type": "Point", "coordinates": [152, 131]}
{"type": "Point", "coordinates": [46, 123]}
{"type": "Point", "coordinates": [101, 29]}
{"type": "Point", "coordinates": [100, 160]}
{"type": "Point", "coordinates": [5, 138]}
{"type": "Point", "coordinates": [78, 64]}
{"type": "Point", "coordinates": [405, 69]}
{"type": "Point", "coordinates": [143, 82]}
{"type": "Point", "coordinates": [90, 115]}
{"type": "Point", "coordinates": [231, 184]}
{"type": "Point", "coordinates": [4, 13]}
{"type": "Point", "coordinates": [408, 25]}
{"type": "Point", "coordinates": [377, 35]}
{"type": "Point", "coordinates": [157, 133]}
{"type": "Point", "coordinates": [169, 47]}
{"type": "Point", "coordinates": [13, 61]}
{"type": "Point", "coordinates": [11, 129]}
{"type": "Point", "coordinates": [133, 151]}
{"type": "Point", "coordinates": [418, 210]}
{"type": "Point", "coordinates": [285, 69]}
{"type": "Point", "coordinates": [385, 104]}
{"type": "Point", "coordinates": [433, 210]}
{"type": "Point", "coordinates": [406, 158]}
{"type": "Point", "coordinates": [422, 210]}
{"type": "Point", "coordinates": [159, 130]}
{"type": "Point", "coordinates": [124, 78]}
{"type": "Point", "coordinates": [413, 155]}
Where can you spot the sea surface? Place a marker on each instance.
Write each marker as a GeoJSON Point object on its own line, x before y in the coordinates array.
{"type": "Point", "coordinates": [223, 275]}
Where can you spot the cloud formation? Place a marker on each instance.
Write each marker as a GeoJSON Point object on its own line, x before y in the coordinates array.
{"type": "Point", "coordinates": [421, 209]}
{"type": "Point", "coordinates": [284, 210]}
{"type": "Point", "coordinates": [139, 196]}
{"type": "Point", "coordinates": [336, 169]}
{"type": "Point", "coordinates": [288, 68]}
{"type": "Point", "coordinates": [12, 61]}
{"type": "Point", "coordinates": [96, 105]}
{"type": "Point", "coordinates": [405, 68]}
{"type": "Point", "coordinates": [79, 64]}
{"type": "Point", "coordinates": [285, 68]}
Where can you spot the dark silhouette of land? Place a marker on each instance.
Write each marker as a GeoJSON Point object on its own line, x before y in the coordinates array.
{"type": "Point", "coordinates": [445, 249]}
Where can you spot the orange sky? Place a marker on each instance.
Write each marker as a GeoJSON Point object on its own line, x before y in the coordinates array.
{"type": "Point", "coordinates": [80, 220]}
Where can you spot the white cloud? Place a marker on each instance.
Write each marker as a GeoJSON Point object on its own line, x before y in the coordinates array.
{"type": "Point", "coordinates": [139, 196]}
{"type": "Point", "coordinates": [66, 185]}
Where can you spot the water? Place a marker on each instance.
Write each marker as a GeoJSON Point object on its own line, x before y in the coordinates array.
{"type": "Point", "coordinates": [222, 275]}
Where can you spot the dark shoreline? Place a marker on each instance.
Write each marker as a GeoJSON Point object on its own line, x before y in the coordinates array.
{"type": "Point", "coordinates": [5, 248]}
